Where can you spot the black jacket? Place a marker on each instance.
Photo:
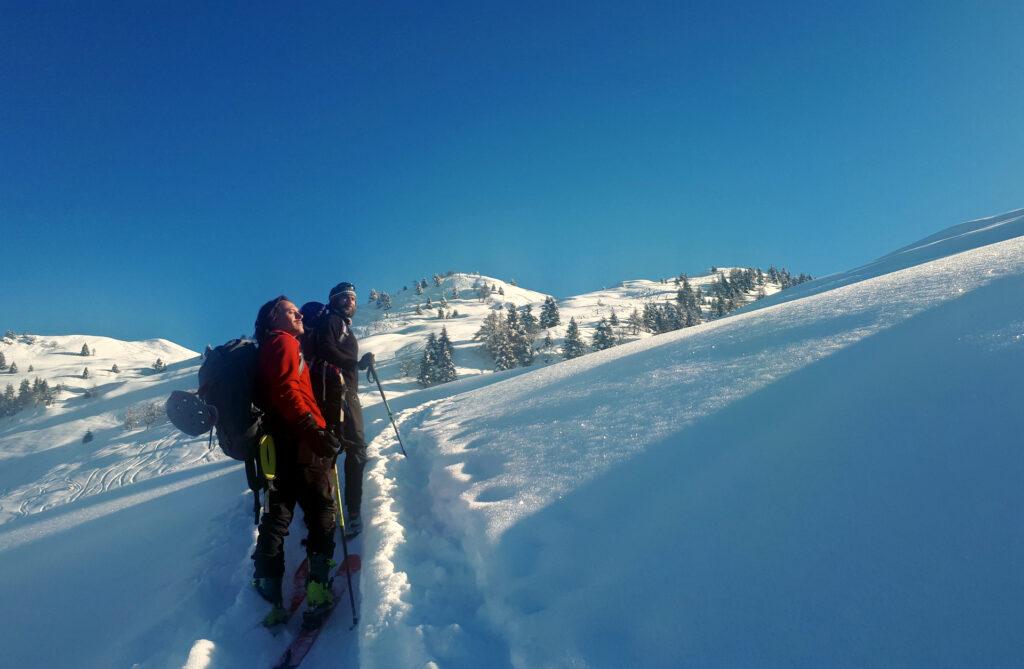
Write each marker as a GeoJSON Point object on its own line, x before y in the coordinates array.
{"type": "Point", "coordinates": [336, 345]}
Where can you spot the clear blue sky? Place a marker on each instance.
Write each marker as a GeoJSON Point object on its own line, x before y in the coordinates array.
{"type": "Point", "coordinates": [165, 167]}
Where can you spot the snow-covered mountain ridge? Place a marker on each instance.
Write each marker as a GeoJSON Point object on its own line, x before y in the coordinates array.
{"type": "Point", "coordinates": [398, 334]}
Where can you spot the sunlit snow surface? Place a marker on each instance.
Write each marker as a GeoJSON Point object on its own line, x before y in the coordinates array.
{"type": "Point", "coordinates": [830, 480]}
{"type": "Point", "coordinates": [829, 477]}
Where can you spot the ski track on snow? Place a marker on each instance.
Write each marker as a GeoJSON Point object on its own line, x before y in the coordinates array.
{"type": "Point", "coordinates": [418, 567]}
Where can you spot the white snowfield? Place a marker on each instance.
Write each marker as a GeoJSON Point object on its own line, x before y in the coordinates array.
{"type": "Point", "coordinates": [829, 477]}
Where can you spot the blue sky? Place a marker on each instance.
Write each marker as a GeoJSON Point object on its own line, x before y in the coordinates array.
{"type": "Point", "coordinates": [168, 166]}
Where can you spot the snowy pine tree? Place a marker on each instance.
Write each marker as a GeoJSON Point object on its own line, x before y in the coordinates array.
{"type": "Point", "coordinates": [3, 361]}
{"type": "Point", "coordinates": [520, 342]}
{"type": "Point", "coordinates": [603, 336]}
{"type": "Point", "coordinates": [572, 347]}
{"type": "Point", "coordinates": [14, 368]}
{"type": "Point", "coordinates": [8, 402]}
{"type": "Point", "coordinates": [428, 363]}
{"type": "Point", "coordinates": [85, 349]}
{"type": "Point", "coordinates": [634, 322]}
{"type": "Point", "coordinates": [547, 346]}
{"type": "Point", "coordinates": [444, 362]}
{"type": "Point", "coordinates": [529, 320]}
{"type": "Point", "coordinates": [549, 316]}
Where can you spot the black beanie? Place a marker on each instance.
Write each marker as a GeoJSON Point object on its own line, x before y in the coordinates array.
{"type": "Point", "coordinates": [341, 288]}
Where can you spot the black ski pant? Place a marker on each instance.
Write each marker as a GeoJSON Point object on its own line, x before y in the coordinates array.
{"type": "Point", "coordinates": [312, 487]}
{"type": "Point", "coordinates": [355, 453]}
{"type": "Point", "coordinates": [340, 407]}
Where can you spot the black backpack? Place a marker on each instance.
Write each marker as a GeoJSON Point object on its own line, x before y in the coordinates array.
{"type": "Point", "coordinates": [225, 401]}
{"type": "Point", "coordinates": [226, 382]}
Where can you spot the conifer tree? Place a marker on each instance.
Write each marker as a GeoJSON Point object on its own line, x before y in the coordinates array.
{"type": "Point", "coordinates": [521, 339]}
{"type": "Point", "coordinates": [115, 369]}
{"type": "Point", "coordinates": [488, 329]}
{"type": "Point", "coordinates": [613, 320]}
{"type": "Point", "coordinates": [428, 363]}
{"type": "Point", "coordinates": [14, 368]}
{"type": "Point", "coordinates": [440, 312]}
{"type": "Point", "coordinates": [650, 318]}
{"type": "Point", "coordinates": [549, 316]}
{"type": "Point", "coordinates": [159, 365]}
{"type": "Point", "coordinates": [419, 289]}
{"type": "Point", "coordinates": [634, 322]}
{"type": "Point", "coordinates": [3, 361]}
{"type": "Point", "coordinates": [24, 393]}
{"type": "Point", "coordinates": [445, 364]}
{"type": "Point", "coordinates": [87, 437]}
{"type": "Point", "coordinates": [85, 373]}
{"type": "Point", "coordinates": [572, 347]}
{"type": "Point", "coordinates": [504, 350]}
{"type": "Point", "coordinates": [31, 368]}
{"type": "Point", "coordinates": [9, 401]}
{"type": "Point", "coordinates": [603, 336]}
{"type": "Point", "coordinates": [85, 349]}
{"type": "Point", "coordinates": [528, 320]}
{"type": "Point", "coordinates": [419, 311]}
{"type": "Point", "coordinates": [548, 343]}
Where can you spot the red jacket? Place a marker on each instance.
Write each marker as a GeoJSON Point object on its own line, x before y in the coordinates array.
{"type": "Point", "coordinates": [282, 379]}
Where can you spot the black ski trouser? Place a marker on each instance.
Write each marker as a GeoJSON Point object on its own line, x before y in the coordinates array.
{"type": "Point", "coordinates": [355, 453]}
{"type": "Point", "coordinates": [340, 407]}
{"type": "Point", "coordinates": [312, 488]}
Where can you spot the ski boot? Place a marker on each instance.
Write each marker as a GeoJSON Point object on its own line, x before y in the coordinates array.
{"type": "Point", "coordinates": [319, 598]}
{"type": "Point", "coordinates": [270, 590]}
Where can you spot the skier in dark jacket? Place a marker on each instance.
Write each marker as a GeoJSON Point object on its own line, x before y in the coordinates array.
{"type": "Point", "coordinates": [336, 386]}
{"type": "Point", "coordinates": [305, 452]}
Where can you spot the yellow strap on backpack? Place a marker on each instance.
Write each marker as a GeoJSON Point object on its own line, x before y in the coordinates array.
{"type": "Point", "coordinates": [268, 457]}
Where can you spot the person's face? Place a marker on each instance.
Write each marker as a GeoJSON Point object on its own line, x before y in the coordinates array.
{"type": "Point", "coordinates": [347, 304]}
{"type": "Point", "coordinates": [288, 319]}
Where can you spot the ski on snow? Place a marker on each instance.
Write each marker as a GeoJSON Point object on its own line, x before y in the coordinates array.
{"type": "Point", "coordinates": [305, 638]}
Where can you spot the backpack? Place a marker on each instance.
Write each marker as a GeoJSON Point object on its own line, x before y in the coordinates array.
{"type": "Point", "coordinates": [226, 380]}
{"type": "Point", "coordinates": [225, 401]}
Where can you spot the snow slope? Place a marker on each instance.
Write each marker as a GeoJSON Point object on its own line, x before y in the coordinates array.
{"type": "Point", "coordinates": [829, 480]}
{"type": "Point", "coordinates": [828, 477]}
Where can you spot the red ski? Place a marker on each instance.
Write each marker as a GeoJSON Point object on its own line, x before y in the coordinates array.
{"type": "Point", "coordinates": [304, 639]}
{"type": "Point", "coordinates": [298, 588]}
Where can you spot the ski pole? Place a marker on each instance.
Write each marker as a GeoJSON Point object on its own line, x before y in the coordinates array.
{"type": "Point", "coordinates": [344, 546]}
{"type": "Point", "coordinates": [372, 373]}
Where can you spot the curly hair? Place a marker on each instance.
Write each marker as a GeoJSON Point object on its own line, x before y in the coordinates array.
{"type": "Point", "coordinates": [266, 316]}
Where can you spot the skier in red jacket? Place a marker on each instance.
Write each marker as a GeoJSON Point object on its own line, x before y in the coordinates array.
{"type": "Point", "coordinates": [305, 462]}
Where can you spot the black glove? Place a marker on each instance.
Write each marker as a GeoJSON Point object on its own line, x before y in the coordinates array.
{"type": "Point", "coordinates": [325, 444]}
{"type": "Point", "coordinates": [365, 361]}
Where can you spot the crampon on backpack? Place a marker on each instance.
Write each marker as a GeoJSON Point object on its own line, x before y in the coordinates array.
{"type": "Point", "coordinates": [224, 401]}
